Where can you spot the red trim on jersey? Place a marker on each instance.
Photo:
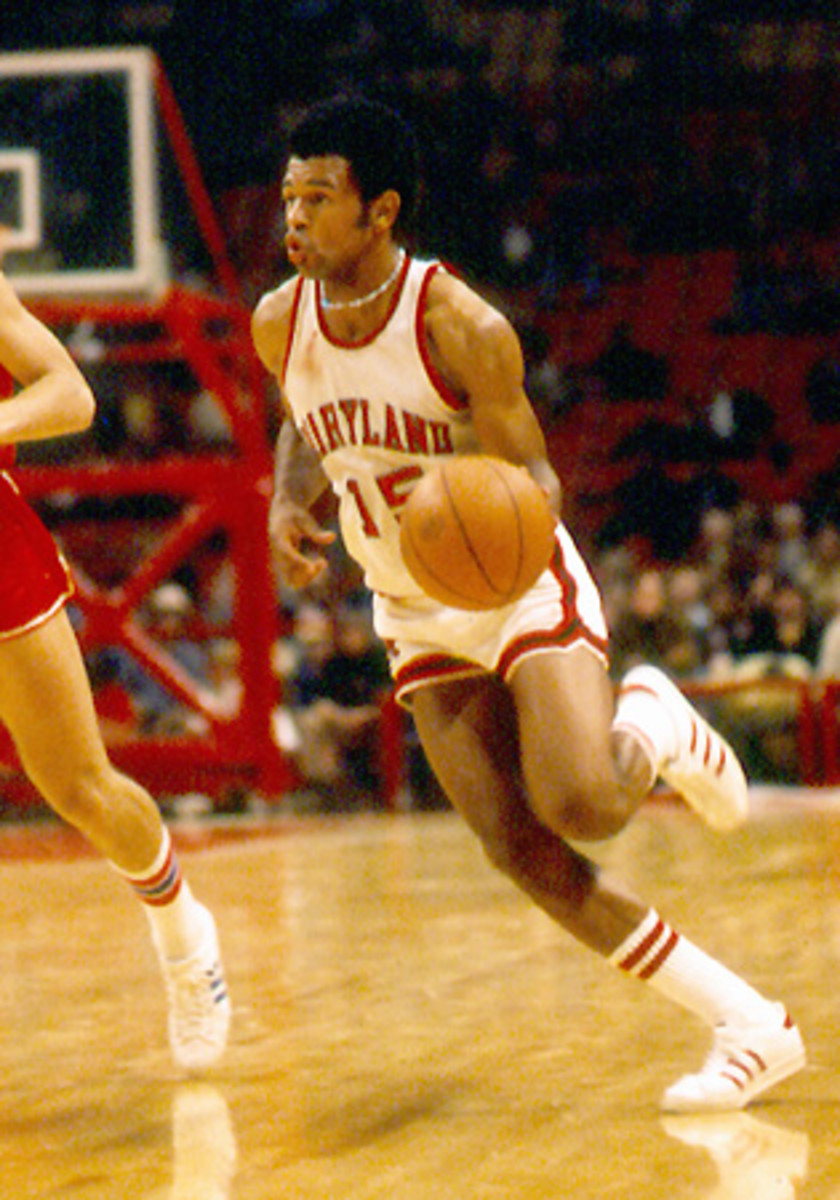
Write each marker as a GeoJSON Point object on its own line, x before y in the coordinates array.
{"type": "Point", "coordinates": [292, 324]}
{"type": "Point", "coordinates": [568, 630]}
{"type": "Point", "coordinates": [552, 639]}
{"type": "Point", "coordinates": [433, 668]}
{"type": "Point", "coordinates": [435, 378]}
{"type": "Point", "coordinates": [366, 341]}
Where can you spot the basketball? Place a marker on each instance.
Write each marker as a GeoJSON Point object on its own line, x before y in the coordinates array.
{"type": "Point", "coordinates": [476, 532]}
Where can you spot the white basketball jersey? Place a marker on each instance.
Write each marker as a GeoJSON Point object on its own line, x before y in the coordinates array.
{"type": "Point", "coordinates": [378, 416]}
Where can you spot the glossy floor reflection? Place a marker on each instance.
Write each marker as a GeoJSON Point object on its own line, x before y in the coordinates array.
{"type": "Point", "coordinates": [406, 1025]}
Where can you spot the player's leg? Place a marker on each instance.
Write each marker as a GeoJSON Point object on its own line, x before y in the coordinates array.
{"type": "Point", "coordinates": [470, 733]}
{"type": "Point", "coordinates": [46, 703]}
{"type": "Point", "coordinates": [582, 780]}
{"type": "Point", "coordinates": [468, 730]}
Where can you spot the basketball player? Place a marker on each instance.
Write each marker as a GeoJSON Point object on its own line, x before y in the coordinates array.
{"type": "Point", "coordinates": [387, 365]}
{"type": "Point", "coordinates": [46, 702]}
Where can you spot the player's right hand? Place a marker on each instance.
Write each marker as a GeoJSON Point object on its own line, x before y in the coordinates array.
{"type": "Point", "coordinates": [293, 530]}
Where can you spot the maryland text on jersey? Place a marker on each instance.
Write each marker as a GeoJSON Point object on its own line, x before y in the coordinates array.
{"type": "Point", "coordinates": [356, 422]}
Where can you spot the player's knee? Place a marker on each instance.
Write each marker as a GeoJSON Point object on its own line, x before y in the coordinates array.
{"type": "Point", "coordinates": [586, 814]}
{"type": "Point", "coordinates": [80, 797]}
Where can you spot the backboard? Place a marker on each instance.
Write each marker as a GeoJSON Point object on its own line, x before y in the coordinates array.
{"type": "Point", "coordinates": [79, 180]}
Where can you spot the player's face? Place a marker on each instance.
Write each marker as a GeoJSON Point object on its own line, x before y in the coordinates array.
{"type": "Point", "coordinates": [327, 229]}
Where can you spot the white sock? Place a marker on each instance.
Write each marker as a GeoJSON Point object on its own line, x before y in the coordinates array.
{"type": "Point", "coordinates": [641, 713]}
{"type": "Point", "coordinates": [176, 917]}
{"type": "Point", "coordinates": [178, 928]}
{"type": "Point", "coordinates": [676, 968]}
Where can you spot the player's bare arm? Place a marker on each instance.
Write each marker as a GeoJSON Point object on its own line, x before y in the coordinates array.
{"type": "Point", "coordinates": [478, 353]}
{"type": "Point", "coordinates": [298, 477]}
{"type": "Point", "coordinates": [55, 398]}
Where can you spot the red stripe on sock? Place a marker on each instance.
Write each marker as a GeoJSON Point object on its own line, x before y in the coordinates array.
{"type": "Point", "coordinates": [151, 881]}
{"type": "Point", "coordinates": [644, 947]}
{"type": "Point", "coordinates": [165, 897]}
{"type": "Point", "coordinates": [657, 961]}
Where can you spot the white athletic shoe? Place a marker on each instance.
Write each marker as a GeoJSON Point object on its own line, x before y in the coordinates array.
{"type": "Point", "coordinates": [745, 1061]}
{"type": "Point", "coordinates": [705, 769]}
{"type": "Point", "coordinates": [199, 1005]}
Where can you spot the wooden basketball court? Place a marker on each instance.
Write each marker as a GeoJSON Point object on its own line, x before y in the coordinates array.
{"type": "Point", "coordinates": [406, 1025]}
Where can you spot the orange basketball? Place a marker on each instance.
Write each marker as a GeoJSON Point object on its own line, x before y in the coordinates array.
{"type": "Point", "coordinates": [476, 532]}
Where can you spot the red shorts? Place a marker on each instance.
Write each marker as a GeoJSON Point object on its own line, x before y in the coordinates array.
{"type": "Point", "coordinates": [34, 579]}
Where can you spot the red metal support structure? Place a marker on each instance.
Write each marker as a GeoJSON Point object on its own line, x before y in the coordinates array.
{"type": "Point", "coordinates": [222, 493]}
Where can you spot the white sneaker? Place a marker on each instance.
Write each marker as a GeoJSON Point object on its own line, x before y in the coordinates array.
{"type": "Point", "coordinates": [704, 769]}
{"type": "Point", "coordinates": [745, 1061]}
{"type": "Point", "coordinates": [199, 1005]}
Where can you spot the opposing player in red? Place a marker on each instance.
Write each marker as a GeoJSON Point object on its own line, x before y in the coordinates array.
{"type": "Point", "coordinates": [47, 706]}
{"type": "Point", "coordinates": [387, 365]}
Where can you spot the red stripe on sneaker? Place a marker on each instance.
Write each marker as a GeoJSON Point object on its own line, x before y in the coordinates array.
{"type": "Point", "coordinates": [658, 959]}
{"type": "Point", "coordinates": [739, 1083]}
{"type": "Point", "coordinates": [693, 746]}
{"type": "Point", "coordinates": [721, 761]}
{"type": "Point", "coordinates": [762, 1065]}
{"type": "Point", "coordinates": [708, 751]}
{"type": "Point", "coordinates": [627, 688]}
{"type": "Point", "coordinates": [644, 947]}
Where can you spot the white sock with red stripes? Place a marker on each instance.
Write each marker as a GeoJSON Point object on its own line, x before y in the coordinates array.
{"type": "Point", "coordinates": [641, 713]}
{"type": "Point", "coordinates": [174, 914]}
{"type": "Point", "coordinates": [673, 966]}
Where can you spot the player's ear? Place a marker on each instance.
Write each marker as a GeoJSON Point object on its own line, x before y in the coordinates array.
{"type": "Point", "coordinates": [385, 209]}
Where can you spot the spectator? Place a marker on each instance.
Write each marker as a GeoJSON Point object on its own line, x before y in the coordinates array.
{"type": "Point", "coordinates": [790, 540]}
{"type": "Point", "coordinates": [548, 386]}
{"type": "Point", "coordinates": [687, 596]}
{"type": "Point", "coordinates": [328, 719]}
{"type": "Point", "coordinates": [782, 644]}
{"type": "Point", "coordinates": [784, 626]}
{"type": "Point", "coordinates": [650, 630]}
{"type": "Point", "coordinates": [820, 575]}
{"type": "Point", "coordinates": [715, 541]}
{"type": "Point", "coordinates": [168, 613]}
{"type": "Point", "coordinates": [828, 659]}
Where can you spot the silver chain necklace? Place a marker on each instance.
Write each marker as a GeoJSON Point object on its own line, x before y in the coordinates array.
{"type": "Point", "coordinates": [383, 287]}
